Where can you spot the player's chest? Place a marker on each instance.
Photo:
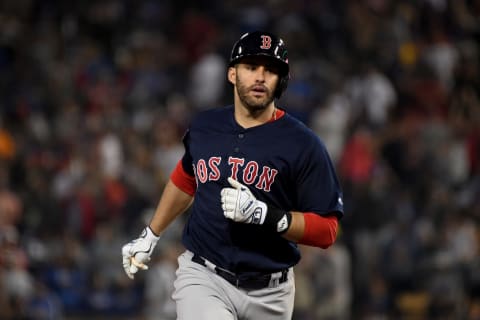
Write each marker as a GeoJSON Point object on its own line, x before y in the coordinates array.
{"type": "Point", "coordinates": [244, 156]}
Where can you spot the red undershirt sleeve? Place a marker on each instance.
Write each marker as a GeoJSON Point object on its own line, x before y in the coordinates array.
{"type": "Point", "coordinates": [183, 180]}
{"type": "Point", "coordinates": [320, 231]}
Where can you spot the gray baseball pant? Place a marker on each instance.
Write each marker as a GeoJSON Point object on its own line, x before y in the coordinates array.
{"type": "Point", "coordinates": [200, 294]}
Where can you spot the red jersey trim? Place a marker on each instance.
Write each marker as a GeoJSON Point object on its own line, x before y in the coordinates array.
{"type": "Point", "coordinates": [319, 231]}
{"type": "Point", "coordinates": [183, 180]}
{"type": "Point", "coordinates": [277, 115]}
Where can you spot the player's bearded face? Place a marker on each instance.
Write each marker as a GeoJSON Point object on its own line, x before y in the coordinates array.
{"type": "Point", "coordinates": [254, 97]}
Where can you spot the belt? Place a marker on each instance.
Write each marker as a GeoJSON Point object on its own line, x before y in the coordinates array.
{"type": "Point", "coordinates": [251, 282]}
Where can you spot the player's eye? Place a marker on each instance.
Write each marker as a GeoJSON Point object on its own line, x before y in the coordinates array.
{"type": "Point", "coordinates": [272, 69]}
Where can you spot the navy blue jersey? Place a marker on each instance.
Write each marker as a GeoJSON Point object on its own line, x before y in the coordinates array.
{"type": "Point", "coordinates": [282, 162]}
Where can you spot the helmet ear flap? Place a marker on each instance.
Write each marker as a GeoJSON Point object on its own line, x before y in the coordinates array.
{"type": "Point", "coordinates": [281, 86]}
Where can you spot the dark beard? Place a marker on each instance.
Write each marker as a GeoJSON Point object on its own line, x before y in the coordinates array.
{"type": "Point", "coordinates": [252, 104]}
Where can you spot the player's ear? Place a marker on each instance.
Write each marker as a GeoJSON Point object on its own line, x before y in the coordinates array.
{"type": "Point", "coordinates": [232, 74]}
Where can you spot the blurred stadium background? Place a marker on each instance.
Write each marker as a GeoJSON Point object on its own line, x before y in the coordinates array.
{"type": "Point", "coordinates": [94, 99]}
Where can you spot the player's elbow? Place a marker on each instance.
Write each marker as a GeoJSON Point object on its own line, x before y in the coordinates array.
{"type": "Point", "coordinates": [329, 238]}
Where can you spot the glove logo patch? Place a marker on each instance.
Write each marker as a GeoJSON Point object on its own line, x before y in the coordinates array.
{"type": "Point", "coordinates": [257, 216]}
{"type": "Point", "coordinates": [143, 251]}
{"type": "Point", "coordinates": [247, 207]}
{"type": "Point", "coordinates": [282, 224]}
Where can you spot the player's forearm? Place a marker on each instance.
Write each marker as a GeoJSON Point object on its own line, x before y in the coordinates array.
{"type": "Point", "coordinates": [312, 229]}
{"type": "Point", "coordinates": [297, 227]}
{"type": "Point", "coordinates": [173, 202]}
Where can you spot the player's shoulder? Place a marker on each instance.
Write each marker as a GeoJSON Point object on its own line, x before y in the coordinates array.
{"type": "Point", "coordinates": [299, 129]}
{"type": "Point", "coordinates": [298, 135]}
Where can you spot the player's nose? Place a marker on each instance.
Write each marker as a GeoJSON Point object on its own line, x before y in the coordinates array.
{"type": "Point", "coordinates": [260, 73]}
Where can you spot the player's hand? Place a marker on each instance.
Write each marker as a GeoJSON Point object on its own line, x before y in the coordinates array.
{"type": "Point", "coordinates": [137, 252]}
{"type": "Point", "coordinates": [240, 205]}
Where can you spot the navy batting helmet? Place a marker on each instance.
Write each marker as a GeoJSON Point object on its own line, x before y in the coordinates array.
{"type": "Point", "coordinates": [261, 43]}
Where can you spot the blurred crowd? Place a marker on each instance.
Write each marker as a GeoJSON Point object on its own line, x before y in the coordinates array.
{"type": "Point", "coordinates": [96, 95]}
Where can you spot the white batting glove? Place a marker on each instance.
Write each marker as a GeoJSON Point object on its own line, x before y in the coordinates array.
{"type": "Point", "coordinates": [137, 252]}
{"type": "Point", "coordinates": [240, 205]}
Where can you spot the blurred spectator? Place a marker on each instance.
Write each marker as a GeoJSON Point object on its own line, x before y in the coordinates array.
{"type": "Point", "coordinates": [17, 284]}
{"type": "Point", "coordinates": [168, 147]}
{"type": "Point", "coordinates": [207, 81]}
{"type": "Point", "coordinates": [7, 145]}
{"type": "Point", "coordinates": [330, 122]}
{"type": "Point", "coordinates": [372, 96]}
{"type": "Point", "coordinates": [44, 304]}
{"type": "Point", "coordinates": [358, 159]}
{"type": "Point", "coordinates": [68, 275]}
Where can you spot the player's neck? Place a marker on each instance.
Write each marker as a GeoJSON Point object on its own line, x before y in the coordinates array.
{"type": "Point", "coordinates": [248, 119]}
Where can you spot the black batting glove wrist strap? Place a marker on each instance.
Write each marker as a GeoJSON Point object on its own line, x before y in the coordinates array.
{"type": "Point", "coordinates": [278, 220]}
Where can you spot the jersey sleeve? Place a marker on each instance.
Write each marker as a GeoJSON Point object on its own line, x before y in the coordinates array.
{"type": "Point", "coordinates": [187, 159]}
{"type": "Point", "coordinates": [318, 189]}
{"type": "Point", "coordinates": [183, 180]}
{"type": "Point", "coordinates": [183, 175]}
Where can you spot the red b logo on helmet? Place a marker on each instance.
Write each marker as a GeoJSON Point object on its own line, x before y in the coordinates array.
{"type": "Point", "coordinates": [266, 42]}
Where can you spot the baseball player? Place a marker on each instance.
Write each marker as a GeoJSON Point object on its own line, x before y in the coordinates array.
{"type": "Point", "coordinates": [259, 183]}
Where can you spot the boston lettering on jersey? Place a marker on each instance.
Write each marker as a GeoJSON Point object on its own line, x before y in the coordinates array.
{"type": "Point", "coordinates": [250, 172]}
